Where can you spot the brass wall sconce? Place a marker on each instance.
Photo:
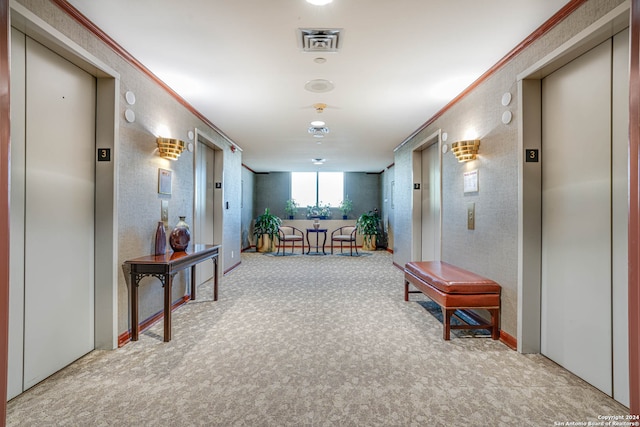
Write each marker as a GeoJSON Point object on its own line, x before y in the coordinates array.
{"type": "Point", "coordinates": [170, 148]}
{"type": "Point", "coordinates": [465, 150]}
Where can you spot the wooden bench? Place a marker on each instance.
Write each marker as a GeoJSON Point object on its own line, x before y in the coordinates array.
{"type": "Point", "coordinates": [454, 288]}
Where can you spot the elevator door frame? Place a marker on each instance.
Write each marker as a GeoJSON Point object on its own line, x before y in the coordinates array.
{"type": "Point", "coordinates": [417, 214]}
{"type": "Point", "coordinates": [106, 180]}
{"type": "Point", "coordinates": [218, 193]}
{"type": "Point", "coordinates": [529, 179]}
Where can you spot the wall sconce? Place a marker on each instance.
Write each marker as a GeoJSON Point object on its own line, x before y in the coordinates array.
{"type": "Point", "coordinates": [170, 148]}
{"type": "Point", "coordinates": [465, 150]}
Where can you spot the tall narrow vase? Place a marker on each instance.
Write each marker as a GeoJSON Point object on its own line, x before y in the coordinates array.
{"type": "Point", "coordinates": [180, 236]}
{"type": "Point", "coordinates": [161, 239]}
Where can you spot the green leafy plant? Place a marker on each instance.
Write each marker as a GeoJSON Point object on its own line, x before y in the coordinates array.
{"type": "Point", "coordinates": [346, 206]}
{"type": "Point", "coordinates": [268, 224]}
{"type": "Point", "coordinates": [291, 207]}
{"type": "Point", "coordinates": [367, 225]}
{"type": "Point", "coordinates": [319, 211]}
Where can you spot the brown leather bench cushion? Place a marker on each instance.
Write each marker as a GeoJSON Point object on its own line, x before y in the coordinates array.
{"type": "Point", "coordinates": [458, 281]}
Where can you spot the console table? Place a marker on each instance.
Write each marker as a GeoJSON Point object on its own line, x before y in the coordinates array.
{"type": "Point", "coordinates": [164, 267]}
{"type": "Point", "coordinates": [317, 245]}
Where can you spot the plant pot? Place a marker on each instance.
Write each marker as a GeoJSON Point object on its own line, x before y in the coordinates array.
{"type": "Point", "coordinates": [369, 243]}
{"type": "Point", "coordinates": [344, 216]}
{"type": "Point", "coordinates": [265, 244]}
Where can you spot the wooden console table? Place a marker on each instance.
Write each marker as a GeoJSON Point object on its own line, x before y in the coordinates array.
{"type": "Point", "coordinates": [164, 267]}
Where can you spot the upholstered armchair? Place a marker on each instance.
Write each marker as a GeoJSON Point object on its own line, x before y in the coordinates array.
{"type": "Point", "coordinates": [287, 233]}
{"type": "Point", "coordinates": [346, 234]}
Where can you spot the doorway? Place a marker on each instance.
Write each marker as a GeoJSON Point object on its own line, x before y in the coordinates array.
{"type": "Point", "coordinates": [427, 200]}
{"type": "Point", "coordinates": [103, 324]}
{"type": "Point", "coordinates": [208, 216]}
{"type": "Point", "coordinates": [52, 213]}
{"type": "Point", "coordinates": [584, 214]}
{"type": "Point", "coordinates": [557, 300]}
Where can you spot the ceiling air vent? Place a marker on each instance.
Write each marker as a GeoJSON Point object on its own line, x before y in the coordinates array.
{"type": "Point", "coordinates": [320, 39]}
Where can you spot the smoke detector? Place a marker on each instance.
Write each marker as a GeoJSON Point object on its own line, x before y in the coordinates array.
{"type": "Point", "coordinates": [319, 85]}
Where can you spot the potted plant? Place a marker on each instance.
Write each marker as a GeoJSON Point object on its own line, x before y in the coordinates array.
{"type": "Point", "coordinates": [265, 230]}
{"type": "Point", "coordinates": [291, 208]}
{"type": "Point", "coordinates": [325, 211]}
{"type": "Point", "coordinates": [319, 211]}
{"type": "Point", "coordinates": [313, 212]}
{"type": "Point", "coordinates": [345, 206]}
{"type": "Point", "coordinates": [367, 225]}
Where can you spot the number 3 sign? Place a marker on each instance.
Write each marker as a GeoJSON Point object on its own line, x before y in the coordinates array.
{"type": "Point", "coordinates": [104, 154]}
{"type": "Point", "coordinates": [531, 155]}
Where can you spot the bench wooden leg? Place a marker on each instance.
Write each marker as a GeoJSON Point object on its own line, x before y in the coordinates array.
{"type": "Point", "coordinates": [495, 321]}
{"type": "Point", "coordinates": [406, 290]}
{"type": "Point", "coordinates": [446, 314]}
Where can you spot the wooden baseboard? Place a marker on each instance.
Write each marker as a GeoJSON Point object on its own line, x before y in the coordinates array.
{"type": "Point", "coordinates": [233, 267]}
{"type": "Point", "coordinates": [508, 340]}
{"type": "Point", "coordinates": [125, 337]}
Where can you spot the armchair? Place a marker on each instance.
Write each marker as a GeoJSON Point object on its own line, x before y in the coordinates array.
{"type": "Point", "coordinates": [346, 234]}
{"type": "Point", "coordinates": [287, 233]}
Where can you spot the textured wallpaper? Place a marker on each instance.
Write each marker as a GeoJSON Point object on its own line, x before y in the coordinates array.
{"type": "Point", "coordinates": [491, 249]}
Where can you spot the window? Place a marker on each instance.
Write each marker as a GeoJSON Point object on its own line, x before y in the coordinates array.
{"type": "Point", "coordinates": [317, 188]}
{"type": "Point", "coordinates": [304, 188]}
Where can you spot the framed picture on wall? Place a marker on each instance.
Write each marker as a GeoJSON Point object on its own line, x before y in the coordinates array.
{"type": "Point", "coordinates": [470, 180]}
{"type": "Point", "coordinates": [164, 181]}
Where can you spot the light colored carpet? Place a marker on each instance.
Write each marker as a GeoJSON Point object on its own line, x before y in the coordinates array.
{"type": "Point", "coordinates": [309, 341]}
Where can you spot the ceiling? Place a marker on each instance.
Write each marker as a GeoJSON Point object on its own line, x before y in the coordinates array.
{"type": "Point", "coordinates": [240, 63]}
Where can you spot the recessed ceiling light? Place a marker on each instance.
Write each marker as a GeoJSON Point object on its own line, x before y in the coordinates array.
{"type": "Point", "coordinates": [318, 161]}
{"type": "Point", "coordinates": [319, 2]}
{"type": "Point", "coordinates": [319, 86]}
{"type": "Point", "coordinates": [317, 123]}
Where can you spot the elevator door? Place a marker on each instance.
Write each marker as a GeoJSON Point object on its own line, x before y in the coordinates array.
{"type": "Point", "coordinates": [431, 203]}
{"type": "Point", "coordinates": [53, 232]}
{"type": "Point", "coordinates": [583, 204]}
{"type": "Point", "coordinates": [204, 217]}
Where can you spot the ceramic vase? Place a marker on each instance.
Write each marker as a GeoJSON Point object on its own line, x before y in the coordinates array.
{"type": "Point", "coordinates": [180, 236]}
{"type": "Point", "coordinates": [161, 239]}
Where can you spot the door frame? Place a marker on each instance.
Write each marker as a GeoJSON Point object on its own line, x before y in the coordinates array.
{"type": "Point", "coordinates": [218, 193]}
{"type": "Point", "coordinates": [634, 212]}
{"type": "Point", "coordinates": [106, 179]}
{"type": "Point", "coordinates": [530, 174]}
{"type": "Point", "coordinates": [416, 214]}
